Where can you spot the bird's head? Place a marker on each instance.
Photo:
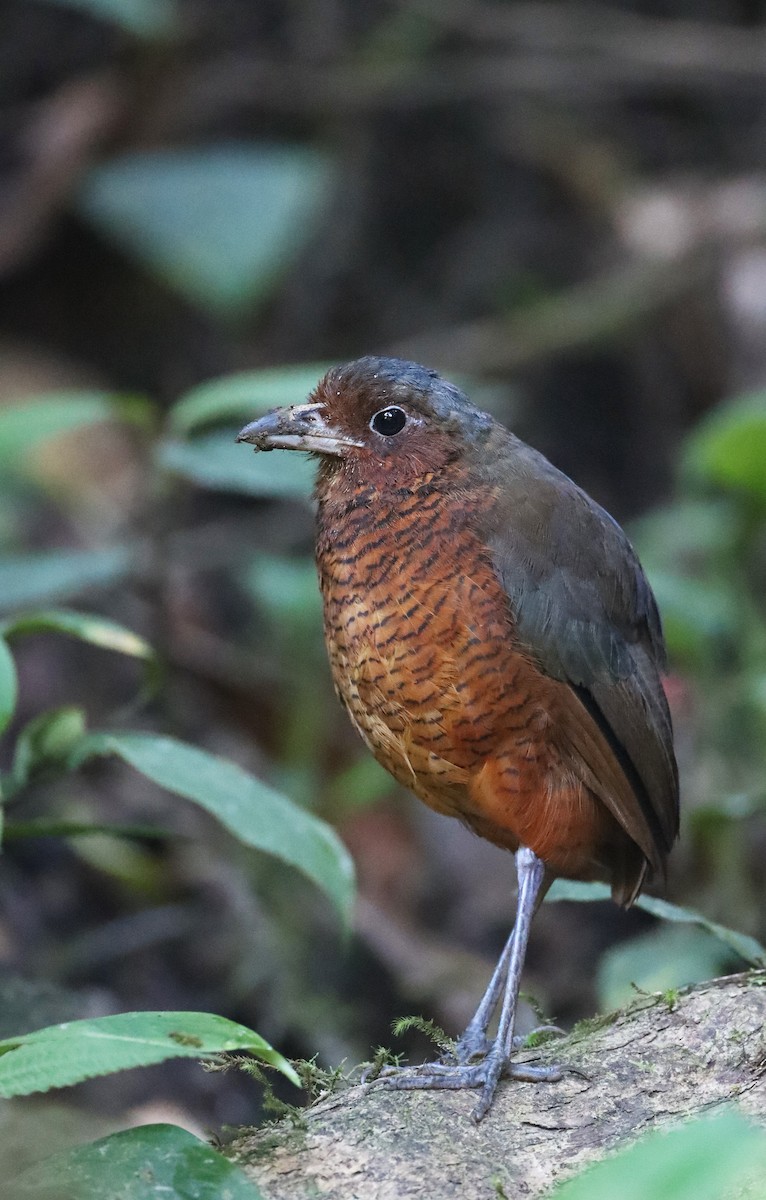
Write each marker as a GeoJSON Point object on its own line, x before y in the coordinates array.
{"type": "Point", "coordinates": [383, 419]}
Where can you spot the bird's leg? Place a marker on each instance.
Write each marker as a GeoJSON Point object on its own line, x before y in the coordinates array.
{"type": "Point", "coordinates": [473, 1042]}
{"type": "Point", "coordinates": [530, 871]}
{"type": "Point", "coordinates": [506, 978]}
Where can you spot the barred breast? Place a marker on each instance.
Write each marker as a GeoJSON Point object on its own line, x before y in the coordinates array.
{"type": "Point", "coordinates": [421, 645]}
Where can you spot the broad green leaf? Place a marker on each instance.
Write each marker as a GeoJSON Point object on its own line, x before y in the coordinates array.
{"type": "Point", "coordinates": [251, 810]}
{"type": "Point", "coordinates": [244, 396]}
{"type": "Point", "coordinates": [39, 578]}
{"type": "Point", "coordinates": [665, 957]}
{"type": "Point", "coordinates": [8, 685]}
{"type": "Point", "coordinates": [144, 18]}
{"type": "Point", "coordinates": [729, 447]}
{"type": "Point", "coordinates": [152, 1162]}
{"type": "Point", "coordinates": [748, 948]}
{"type": "Point", "coordinates": [98, 631]}
{"type": "Point", "coordinates": [220, 223]}
{"type": "Point", "coordinates": [710, 1158]}
{"type": "Point", "coordinates": [62, 1055]}
{"type": "Point", "coordinates": [25, 426]}
{"type": "Point", "coordinates": [216, 461]}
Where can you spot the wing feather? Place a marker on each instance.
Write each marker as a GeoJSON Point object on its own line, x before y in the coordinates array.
{"type": "Point", "coordinates": [585, 612]}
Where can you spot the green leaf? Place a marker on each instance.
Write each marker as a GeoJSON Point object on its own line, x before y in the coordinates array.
{"type": "Point", "coordinates": [741, 943]}
{"type": "Point", "coordinates": [748, 948]}
{"type": "Point", "coordinates": [359, 786]}
{"type": "Point", "coordinates": [728, 448]}
{"type": "Point", "coordinates": [8, 685]}
{"type": "Point", "coordinates": [25, 426]}
{"type": "Point", "coordinates": [666, 957]}
{"type": "Point", "coordinates": [216, 461]}
{"type": "Point", "coordinates": [44, 827]}
{"type": "Point", "coordinates": [572, 890]}
{"type": "Point", "coordinates": [686, 532]}
{"type": "Point", "coordinates": [247, 394]}
{"type": "Point", "coordinates": [287, 589]}
{"type": "Point", "coordinates": [251, 810]}
{"type": "Point", "coordinates": [144, 18]}
{"type": "Point", "coordinates": [98, 631]}
{"type": "Point", "coordinates": [46, 741]}
{"type": "Point", "coordinates": [62, 1055]}
{"type": "Point", "coordinates": [219, 223]}
{"type": "Point", "coordinates": [244, 396]}
{"type": "Point", "coordinates": [146, 1163]}
{"type": "Point", "coordinates": [30, 579]}
{"type": "Point", "coordinates": [706, 1159]}
{"type": "Point", "coordinates": [696, 613]}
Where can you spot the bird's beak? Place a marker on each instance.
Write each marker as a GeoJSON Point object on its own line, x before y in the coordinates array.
{"type": "Point", "coordinates": [299, 427]}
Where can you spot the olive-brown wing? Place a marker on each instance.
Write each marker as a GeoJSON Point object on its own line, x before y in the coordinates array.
{"type": "Point", "coordinates": [583, 609]}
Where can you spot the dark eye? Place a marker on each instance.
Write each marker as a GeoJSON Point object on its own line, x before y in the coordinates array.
{"type": "Point", "coordinates": [389, 421]}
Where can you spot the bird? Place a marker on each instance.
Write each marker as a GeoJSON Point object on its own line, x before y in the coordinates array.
{"type": "Point", "coordinates": [497, 645]}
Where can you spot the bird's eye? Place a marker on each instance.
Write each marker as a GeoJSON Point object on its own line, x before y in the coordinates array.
{"type": "Point", "coordinates": [389, 421]}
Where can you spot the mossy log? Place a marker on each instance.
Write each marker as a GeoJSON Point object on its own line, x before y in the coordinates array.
{"type": "Point", "coordinates": [663, 1059]}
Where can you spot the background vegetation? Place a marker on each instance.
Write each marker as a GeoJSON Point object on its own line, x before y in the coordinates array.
{"type": "Point", "coordinates": [202, 203]}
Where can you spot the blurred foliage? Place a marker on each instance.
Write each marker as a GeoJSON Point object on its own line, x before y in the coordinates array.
{"type": "Point", "coordinates": [706, 544]}
{"type": "Point", "coordinates": [748, 949]}
{"type": "Point", "coordinates": [220, 224]}
{"type": "Point", "coordinates": [143, 18]}
{"type": "Point", "coordinates": [26, 426]}
{"type": "Point", "coordinates": [56, 742]}
{"type": "Point", "coordinates": [47, 577]}
{"type": "Point", "coordinates": [242, 397]}
{"type": "Point", "coordinates": [213, 461]}
{"type": "Point", "coordinates": [146, 1162]}
{"type": "Point", "coordinates": [711, 1158]}
{"type": "Point", "coordinates": [254, 813]}
{"type": "Point", "coordinates": [191, 188]}
{"type": "Point", "coordinates": [705, 555]}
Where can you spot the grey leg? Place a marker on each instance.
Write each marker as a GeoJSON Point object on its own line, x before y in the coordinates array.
{"type": "Point", "coordinates": [474, 1041]}
{"type": "Point", "coordinates": [531, 875]}
{"type": "Point", "coordinates": [506, 979]}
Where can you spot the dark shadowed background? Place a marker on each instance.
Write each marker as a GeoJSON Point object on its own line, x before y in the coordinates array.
{"type": "Point", "coordinates": [560, 205]}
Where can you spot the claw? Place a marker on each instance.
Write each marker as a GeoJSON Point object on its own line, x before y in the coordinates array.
{"type": "Point", "coordinates": [471, 1046]}
{"type": "Point", "coordinates": [485, 1075]}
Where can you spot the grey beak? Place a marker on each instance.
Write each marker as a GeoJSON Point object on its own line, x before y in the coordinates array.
{"type": "Point", "coordinates": [299, 427]}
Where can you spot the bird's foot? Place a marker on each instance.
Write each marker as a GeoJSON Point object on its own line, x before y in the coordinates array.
{"type": "Point", "coordinates": [485, 1075]}
{"type": "Point", "coordinates": [474, 1043]}
{"type": "Point", "coordinates": [470, 1046]}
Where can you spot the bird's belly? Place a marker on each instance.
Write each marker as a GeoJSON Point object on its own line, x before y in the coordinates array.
{"type": "Point", "coordinates": [436, 684]}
